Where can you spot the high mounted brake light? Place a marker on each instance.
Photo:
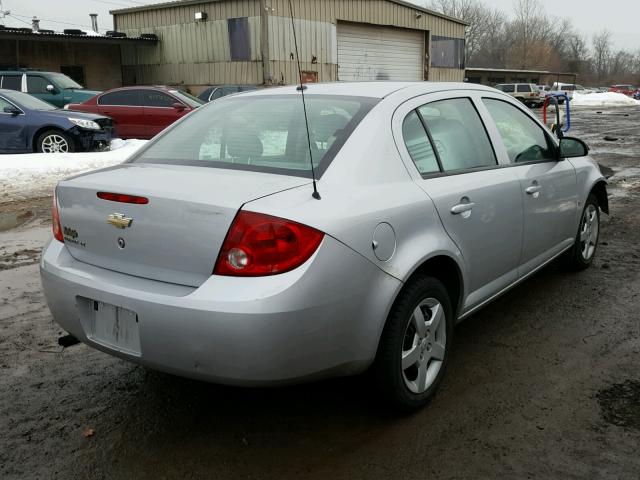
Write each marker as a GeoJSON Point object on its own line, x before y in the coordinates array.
{"type": "Point", "coordinates": [122, 198]}
{"type": "Point", "coordinates": [259, 244]}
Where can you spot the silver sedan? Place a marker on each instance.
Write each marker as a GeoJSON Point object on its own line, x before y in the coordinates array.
{"type": "Point", "coordinates": [206, 254]}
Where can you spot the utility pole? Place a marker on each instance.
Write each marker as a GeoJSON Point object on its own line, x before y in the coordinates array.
{"type": "Point", "coordinates": [265, 11]}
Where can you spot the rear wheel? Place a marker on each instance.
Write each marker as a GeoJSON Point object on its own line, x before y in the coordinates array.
{"type": "Point", "coordinates": [414, 347]}
{"type": "Point", "coordinates": [54, 141]}
{"type": "Point", "coordinates": [584, 249]}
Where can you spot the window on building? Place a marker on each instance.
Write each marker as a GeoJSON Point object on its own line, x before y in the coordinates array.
{"type": "Point", "coordinates": [239, 39]}
{"type": "Point", "coordinates": [447, 52]}
{"type": "Point", "coordinates": [75, 72]}
{"type": "Point", "coordinates": [458, 134]}
{"type": "Point", "coordinates": [496, 80]}
{"type": "Point", "coordinates": [37, 84]}
{"type": "Point", "coordinates": [12, 82]}
{"type": "Point", "coordinates": [121, 97]}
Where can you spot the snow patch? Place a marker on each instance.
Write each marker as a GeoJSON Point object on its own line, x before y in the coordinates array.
{"type": "Point", "coordinates": [606, 99]}
{"type": "Point", "coordinates": [35, 174]}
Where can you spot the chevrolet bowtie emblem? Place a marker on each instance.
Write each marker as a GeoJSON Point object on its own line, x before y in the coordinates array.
{"type": "Point", "coordinates": [118, 220]}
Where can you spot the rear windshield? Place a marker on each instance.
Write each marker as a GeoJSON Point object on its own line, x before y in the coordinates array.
{"type": "Point", "coordinates": [261, 133]}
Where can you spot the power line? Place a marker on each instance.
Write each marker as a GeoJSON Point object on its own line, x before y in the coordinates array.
{"type": "Point", "coordinates": [15, 15]}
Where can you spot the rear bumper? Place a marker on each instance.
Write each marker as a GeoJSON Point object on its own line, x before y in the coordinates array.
{"type": "Point", "coordinates": [322, 319]}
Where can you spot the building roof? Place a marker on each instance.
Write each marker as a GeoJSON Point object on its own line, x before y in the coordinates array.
{"type": "Point", "coordinates": [179, 3]}
{"type": "Point", "coordinates": [24, 34]}
{"type": "Point", "coordinates": [512, 70]}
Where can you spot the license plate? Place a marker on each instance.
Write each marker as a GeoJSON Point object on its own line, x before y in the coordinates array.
{"type": "Point", "coordinates": [114, 327]}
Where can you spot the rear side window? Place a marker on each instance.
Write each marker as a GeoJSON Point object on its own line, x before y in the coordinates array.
{"type": "Point", "coordinates": [508, 88]}
{"type": "Point", "coordinates": [524, 88]}
{"type": "Point", "coordinates": [458, 134]}
{"type": "Point", "coordinates": [261, 133]}
{"type": "Point", "coordinates": [12, 82]}
{"type": "Point", "coordinates": [121, 98]}
{"type": "Point", "coordinates": [419, 145]}
{"type": "Point", "coordinates": [154, 98]}
{"type": "Point", "coordinates": [524, 139]}
{"type": "Point", "coordinates": [37, 84]}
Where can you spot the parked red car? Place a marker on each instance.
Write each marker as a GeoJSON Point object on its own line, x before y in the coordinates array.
{"type": "Point", "coordinates": [628, 90]}
{"type": "Point", "coordinates": [140, 112]}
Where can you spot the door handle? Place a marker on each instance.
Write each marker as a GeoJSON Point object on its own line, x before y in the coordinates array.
{"type": "Point", "coordinates": [462, 208]}
{"type": "Point", "coordinates": [533, 189]}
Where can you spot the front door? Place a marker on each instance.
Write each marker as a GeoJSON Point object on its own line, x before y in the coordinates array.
{"type": "Point", "coordinates": [479, 203]}
{"type": "Point", "coordinates": [37, 86]}
{"type": "Point", "coordinates": [13, 129]}
{"type": "Point", "coordinates": [160, 110]}
{"type": "Point", "coordinates": [549, 185]}
{"type": "Point", "coordinates": [125, 108]}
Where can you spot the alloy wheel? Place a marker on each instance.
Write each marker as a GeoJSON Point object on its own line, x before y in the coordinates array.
{"type": "Point", "coordinates": [55, 144]}
{"type": "Point", "coordinates": [424, 345]}
{"type": "Point", "coordinates": [589, 229]}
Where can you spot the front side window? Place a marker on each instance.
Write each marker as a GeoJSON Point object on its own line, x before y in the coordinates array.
{"type": "Point", "coordinates": [524, 139]}
{"type": "Point", "coordinates": [37, 84]}
{"type": "Point", "coordinates": [121, 98]}
{"type": "Point", "coordinates": [261, 133]}
{"type": "Point", "coordinates": [12, 82]}
{"type": "Point", "coordinates": [154, 98]}
{"type": "Point", "coordinates": [4, 104]}
{"type": "Point", "coordinates": [419, 145]}
{"type": "Point", "coordinates": [458, 134]}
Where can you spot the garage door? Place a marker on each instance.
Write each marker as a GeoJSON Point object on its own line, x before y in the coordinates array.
{"type": "Point", "coordinates": [369, 52]}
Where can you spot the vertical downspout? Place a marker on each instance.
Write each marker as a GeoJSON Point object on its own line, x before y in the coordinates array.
{"type": "Point", "coordinates": [264, 42]}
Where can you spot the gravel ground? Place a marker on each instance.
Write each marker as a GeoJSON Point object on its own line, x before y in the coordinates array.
{"type": "Point", "coordinates": [543, 383]}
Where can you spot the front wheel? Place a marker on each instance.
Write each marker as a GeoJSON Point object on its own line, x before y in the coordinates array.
{"type": "Point", "coordinates": [54, 141]}
{"type": "Point", "coordinates": [583, 252]}
{"type": "Point", "coordinates": [414, 347]}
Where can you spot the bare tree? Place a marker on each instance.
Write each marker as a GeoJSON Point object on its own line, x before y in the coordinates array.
{"type": "Point", "coordinates": [601, 53]}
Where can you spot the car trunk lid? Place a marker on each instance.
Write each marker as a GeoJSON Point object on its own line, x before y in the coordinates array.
{"type": "Point", "coordinates": [177, 235]}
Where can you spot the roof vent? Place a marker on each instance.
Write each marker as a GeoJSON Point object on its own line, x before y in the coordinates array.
{"type": "Point", "coordinates": [74, 31]}
{"type": "Point", "coordinates": [149, 36]}
{"type": "Point", "coordinates": [44, 30]}
{"type": "Point", "coordinates": [114, 34]}
{"type": "Point", "coordinates": [35, 24]}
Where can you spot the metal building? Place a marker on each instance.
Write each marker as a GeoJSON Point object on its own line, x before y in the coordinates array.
{"type": "Point", "coordinates": [208, 42]}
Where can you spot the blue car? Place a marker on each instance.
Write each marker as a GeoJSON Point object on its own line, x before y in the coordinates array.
{"type": "Point", "coordinates": [28, 124]}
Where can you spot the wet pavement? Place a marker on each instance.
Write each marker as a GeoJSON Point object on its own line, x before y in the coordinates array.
{"type": "Point", "coordinates": [543, 383]}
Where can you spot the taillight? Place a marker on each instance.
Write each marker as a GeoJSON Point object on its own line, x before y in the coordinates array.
{"type": "Point", "coordinates": [259, 244]}
{"type": "Point", "coordinates": [55, 220]}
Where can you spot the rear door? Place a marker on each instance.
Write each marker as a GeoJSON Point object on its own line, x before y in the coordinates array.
{"type": "Point", "coordinates": [479, 203]}
{"type": "Point", "coordinates": [13, 129]}
{"type": "Point", "coordinates": [549, 186]}
{"type": "Point", "coordinates": [159, 110]}
{"type": "Point", "coordinates": [125, 108]}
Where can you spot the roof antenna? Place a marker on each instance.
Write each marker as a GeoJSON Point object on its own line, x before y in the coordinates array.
{"type": "Point", "coordinates": [301, 88]}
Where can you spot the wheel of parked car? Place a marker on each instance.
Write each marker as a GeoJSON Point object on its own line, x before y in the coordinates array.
{"type": "Point", "coordinates": [54, 141]}
{"type": "Point", "coordinates": [414, 348]}
{"type": "Point", "coordinates": [584, 248]}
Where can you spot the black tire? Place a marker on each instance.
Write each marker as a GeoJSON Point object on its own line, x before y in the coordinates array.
{"type": "Point", "coordinates": [389, 376]}
{"type": "Point", "coordinates": [575, 257]}
{"type": "Point", "coordinates": [47, 135]}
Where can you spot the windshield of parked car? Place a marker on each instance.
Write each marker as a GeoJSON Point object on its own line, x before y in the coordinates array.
{"type": "Point", "coordinates": [27, 102]}
{"type": "Point", "coordinates": [261, 133]}
{"type": "Point", "coordinates": [187, 98]}
{"type": "Point", "coordinates": [63, 82]}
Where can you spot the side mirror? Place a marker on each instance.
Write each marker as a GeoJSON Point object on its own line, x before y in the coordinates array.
{"type": "Point", "coordinates": [51, 89]}
{"type": "Point", "coordinates": [178, 106]}
{"type": "Point", "coordinates": [12, 110]}
{"type": "Point", "coordinates": [573, 147]}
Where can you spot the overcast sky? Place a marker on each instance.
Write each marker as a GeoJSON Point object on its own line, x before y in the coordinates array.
{"type": "Point", "coordinates": [589, 16]}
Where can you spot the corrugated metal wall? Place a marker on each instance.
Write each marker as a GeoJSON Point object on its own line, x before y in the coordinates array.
{"type": "Point", "coordinates": [197, 53]}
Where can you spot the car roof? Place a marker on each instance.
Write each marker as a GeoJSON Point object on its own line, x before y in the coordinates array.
{"type": "Point", "coordinates": [379, 89]}
{"type": "Point", "coordinates": [138, 87]}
